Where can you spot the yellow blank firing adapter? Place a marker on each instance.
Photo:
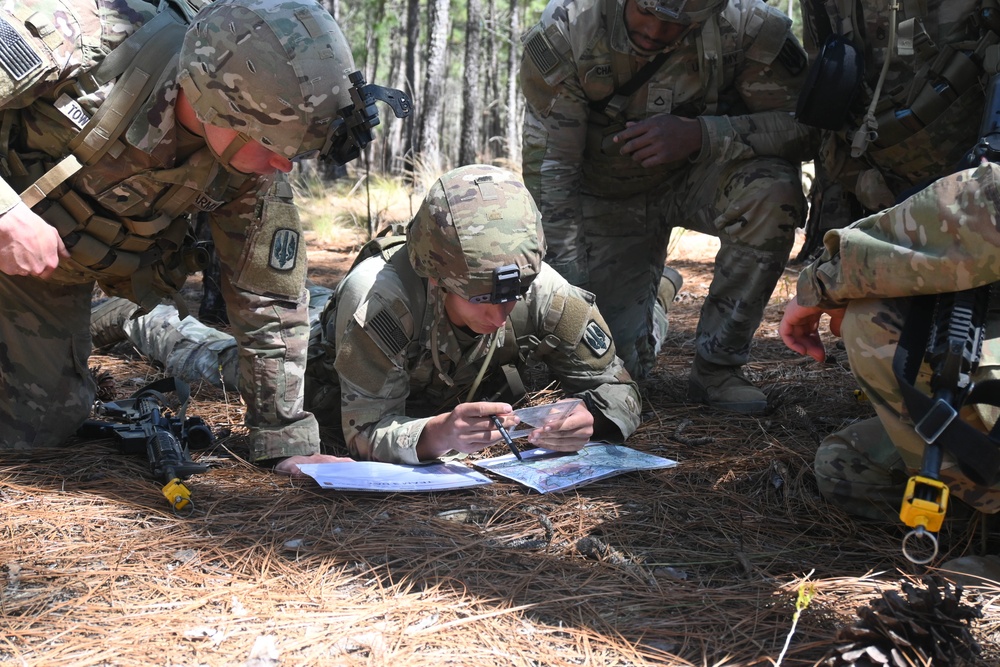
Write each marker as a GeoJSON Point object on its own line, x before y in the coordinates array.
{"type": "Point", "coordinates": [927, 513]}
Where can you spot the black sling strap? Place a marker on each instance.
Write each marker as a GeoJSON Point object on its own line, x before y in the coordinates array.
{"type": "Point", "coordinates": [630, 87]}
{"type": "Point", "coordinates": [977, 453]}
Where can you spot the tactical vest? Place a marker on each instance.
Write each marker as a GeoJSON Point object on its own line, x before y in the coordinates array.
{"type": "Point", "coordinates": [928, 118]}
{"type": "Point", "coordinates": [140, 251]}
{"type": "Point", "coordinates": [719, 55]}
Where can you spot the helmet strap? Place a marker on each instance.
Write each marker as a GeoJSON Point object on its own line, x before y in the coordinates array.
{"type": "Point", "coordinates": [238, 142]}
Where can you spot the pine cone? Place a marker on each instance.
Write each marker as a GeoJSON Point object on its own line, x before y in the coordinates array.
{"type": "Point", "coordinates": [930, 626]}
{"type": "Point", "coordinates": [107, 389]}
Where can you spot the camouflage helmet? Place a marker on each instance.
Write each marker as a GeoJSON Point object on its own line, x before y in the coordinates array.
{"type": "Point", "coordinates": [683, 11]}
{"type": "Point", "coordinates": [478, 233]}
{"type": "Point", "coordinates": [276, 71]}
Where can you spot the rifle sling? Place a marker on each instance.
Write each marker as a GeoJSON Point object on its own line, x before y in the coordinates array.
{"type": "Point", "coordinates": [977, 453]}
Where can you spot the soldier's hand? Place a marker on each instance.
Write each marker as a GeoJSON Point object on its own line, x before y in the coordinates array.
{"type": "Point", "coordinates": [660, 140]}
{"type": "Point", "coordinates": [290, 466]}
{"type": "Point", "coordinates": [468, 428]}
{"type": "Point", "coordinates": [571, 434]}
{"type": "Point", "coordinates": [799, 328]}
{"type": "Point", "coordinates": [29, 246]}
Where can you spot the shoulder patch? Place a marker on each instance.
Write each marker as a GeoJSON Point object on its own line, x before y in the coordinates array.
{"type": "Point", "coordinates": [768, 30]}
{"type": "Point", "coordinates": [17, 57]}
{"type": "Point", "coordinates": [792, 56]}
{"type": "Point", "coordinates": [537, 47]}
{"type": "Point", "coordinates": [387, 330]}
{"type": "Point", "coordinates": [284, 249]}
{"type": "Point", "coordinates": [596, 339]}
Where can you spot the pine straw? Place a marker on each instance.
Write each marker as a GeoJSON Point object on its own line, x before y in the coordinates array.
{"type": "Point", "coordinates": [699, 564]}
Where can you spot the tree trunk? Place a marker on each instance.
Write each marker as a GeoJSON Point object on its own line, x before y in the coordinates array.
{"type": "Point", "coordinates": [513, 98]}
{"type": "Point", "coordinates": [433, 97]}
{"type": "Point", "coordinates": [468, 151]}
{"type": "Point", "coordinates": [412, 78]}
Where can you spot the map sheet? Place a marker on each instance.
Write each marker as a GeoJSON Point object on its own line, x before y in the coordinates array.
{"type": "Point", "coordinates": [546, 471]}
{"type": "Point", "coordinates": [392, 477]}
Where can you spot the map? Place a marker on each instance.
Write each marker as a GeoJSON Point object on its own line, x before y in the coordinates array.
{"type": "Point", "coordinates": [546, 471]}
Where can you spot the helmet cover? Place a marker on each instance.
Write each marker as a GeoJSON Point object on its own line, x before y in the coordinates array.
{"type": "Point", "coordinates": [682, 11]}
{"type": "Point", "coordinates": [276, 71]}
{"type": "Point", "coordinates": [474, 221]}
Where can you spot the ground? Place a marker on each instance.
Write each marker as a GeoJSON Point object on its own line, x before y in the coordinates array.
{"type": "Point", "coordinates": [700, 564]}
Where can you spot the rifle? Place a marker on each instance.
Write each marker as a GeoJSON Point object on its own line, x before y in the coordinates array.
{"type": "Point", "coordinates": [142, 425]}
{"type": "Point", "coordinates": [950, 329]}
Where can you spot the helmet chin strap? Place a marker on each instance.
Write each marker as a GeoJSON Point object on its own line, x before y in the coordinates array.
{"type": "Point", "coordinates": [238, 142]}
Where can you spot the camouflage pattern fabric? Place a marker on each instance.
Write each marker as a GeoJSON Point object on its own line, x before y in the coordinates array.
{"type": "Point", "coordinates": [943, 239]}
{"type": "Point", "coordinates": [607, 219]}
{"type": "Point", "coordinates": [931, 135]}
{"type": "Point", "coordinates": [379, 381]}
{"type": "Point", "coordinates": [249, 217]}
{"type": "Point", "coordinates": [268, 79]}
{"type": "Point", "coordinates": [475, 220]}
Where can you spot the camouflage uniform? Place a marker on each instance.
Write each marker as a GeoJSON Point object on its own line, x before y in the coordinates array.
{"type": "Point", "coordinates": [943, 239]}
{"type": "Point", "coordinates": [928, 111]}
{"type": "Point", "coordinates": [607, 219]}
{"type": "Point", "coordinates": [928, 116]}
{"type": "Point", "coordinates": [392, 358]}
{"type": "Point", "coordinates": [133, 202]}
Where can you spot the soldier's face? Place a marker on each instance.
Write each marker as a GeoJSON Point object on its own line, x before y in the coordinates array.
{"type": "Point", "coordinates": [483, 318]}
{"type": "Point", "coordinates": [648, 32]}
{"type": "Point", "coordinates": [253, 158]}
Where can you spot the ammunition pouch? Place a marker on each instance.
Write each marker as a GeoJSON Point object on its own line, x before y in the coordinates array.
{"type": "Point", "coordinates": [832, 84]}
{"type": "Point", "coordinates": [116, 253]}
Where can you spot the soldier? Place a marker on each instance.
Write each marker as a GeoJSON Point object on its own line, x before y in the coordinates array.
{"type": "Point", "coordinates": [900, 93]}
{"type": "Point", "coordinates": [942, 239]}
{"type": "Point", "coordinates": [644, 115]}
{"type": "Point", "coordinates": [421, 341]}
{"type": "Point", "coordinates": [120, 120]}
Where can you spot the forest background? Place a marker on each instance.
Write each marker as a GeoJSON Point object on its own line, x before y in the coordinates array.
{"type": "Point", "coordinates": [459, 61]}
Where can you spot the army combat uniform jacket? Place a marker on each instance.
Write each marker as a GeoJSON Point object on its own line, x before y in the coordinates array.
{"type": "Point", "coordinates": [739, 74]}
{"type": "Point", "coordinates": [929, 107]}
{"type": "Point", "coordinates": [392, 359]}
{"type": "Point", "coordinates": [125, 218]}
{"type": "Point", "coordinates": [608, 219]}
{"type": "Point", "coordinates": [943, 239]}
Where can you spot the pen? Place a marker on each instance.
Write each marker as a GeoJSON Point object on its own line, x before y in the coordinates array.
{"type": "Point", "coordinates": [506, 436]}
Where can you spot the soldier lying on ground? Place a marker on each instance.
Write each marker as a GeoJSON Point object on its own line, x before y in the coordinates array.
{"type": "Point", "coordinates": [421, 342]}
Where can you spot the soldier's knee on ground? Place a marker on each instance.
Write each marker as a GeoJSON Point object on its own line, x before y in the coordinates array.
{"type": "Point", "coordinates": [859, 470]}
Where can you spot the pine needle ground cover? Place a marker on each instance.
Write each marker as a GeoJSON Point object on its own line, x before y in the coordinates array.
{"type": "Point", "coordinates": [730, 558]}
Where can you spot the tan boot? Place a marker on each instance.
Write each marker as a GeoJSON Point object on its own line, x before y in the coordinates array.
{"type": "Point", "coordinates": [724, 387]}
{"type": "Point", "coordinates": [670, 284]}
{"type": "Point", "coordinates": [973, 570]}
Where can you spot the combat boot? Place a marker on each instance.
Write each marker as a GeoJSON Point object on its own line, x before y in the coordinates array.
{"type": "Point", "coordinates": [973, 570]}
{"type": "Point", "coordinates": [670, 285]}
{"type": "Point", "coordinates": [724, 387]}
{"type": "Point", "coordinates": [107, 321]}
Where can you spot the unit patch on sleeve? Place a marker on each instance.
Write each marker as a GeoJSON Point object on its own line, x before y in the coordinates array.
{"type": "Point", "coordinates": [284, 248]}
{"type": "Point", "coordinates": [596, 338]}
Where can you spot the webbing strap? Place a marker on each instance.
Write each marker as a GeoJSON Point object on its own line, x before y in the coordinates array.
{"type": "Point", "coordinates": [977, 453]}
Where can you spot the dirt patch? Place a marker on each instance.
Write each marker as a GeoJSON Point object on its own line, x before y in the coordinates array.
{"type": "Point", "coordinates": [699, 564]}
